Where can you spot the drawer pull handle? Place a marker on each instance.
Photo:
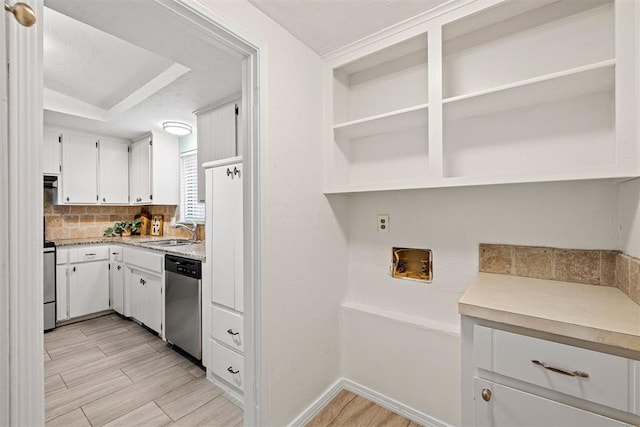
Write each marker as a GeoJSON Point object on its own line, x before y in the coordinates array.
{"type": "Point", "coordinates": [230, 369]}
{"type": "Point", "coordinates": [580, 374]}
{"type": "Point", "coordinates": [91, 254]}
{"type": "Point", "coordinates": [230, 332]}
{"type": "Point", "coordinates": [486, 394]}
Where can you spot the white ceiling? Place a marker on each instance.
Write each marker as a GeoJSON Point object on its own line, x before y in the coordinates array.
{"type": "Point", "coordinates": [326, 25]}
{"type": "Point", "coordinates": [121, 68]}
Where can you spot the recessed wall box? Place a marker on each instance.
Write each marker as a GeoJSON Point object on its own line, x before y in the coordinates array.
{"type": "Point", "coordinates": [414, 264]}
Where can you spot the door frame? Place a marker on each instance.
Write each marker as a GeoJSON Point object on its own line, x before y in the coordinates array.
{"type": "Point", "coordinates": [21, 310]}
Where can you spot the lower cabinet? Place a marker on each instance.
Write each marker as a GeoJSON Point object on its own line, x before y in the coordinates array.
{"type": "Point", "coordinates": [116, 282]}
{"type": "Point", "coordinates": [146, 299]}
{"type": "Point", "coordinates": [88, 288]}
{"type": "Point", "coordinates": [498, 405]}
{"type": "Point", "coordinates": [62, 285]}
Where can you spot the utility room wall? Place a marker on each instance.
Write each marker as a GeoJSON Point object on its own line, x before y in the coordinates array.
{"type": "Point", "coordinates": [79, 222]}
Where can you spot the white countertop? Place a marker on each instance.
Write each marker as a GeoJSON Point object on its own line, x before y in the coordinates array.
{"type": "Point", "coordinates": [597, 314]}
{"type": "Point", "coordinates": [196, 250]}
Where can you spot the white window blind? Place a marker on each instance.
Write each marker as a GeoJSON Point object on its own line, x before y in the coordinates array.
{"type": "Point", "coordinates": [190, 208]}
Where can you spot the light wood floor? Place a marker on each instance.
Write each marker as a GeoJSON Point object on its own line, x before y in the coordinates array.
{"type": "Point", "coordinates": [111, 371]}
{"type": "Point", "coordinates": [348, 409]}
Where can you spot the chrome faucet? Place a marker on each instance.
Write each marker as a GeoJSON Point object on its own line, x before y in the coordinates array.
{"type": "Point", "coordinates": [191, 229]}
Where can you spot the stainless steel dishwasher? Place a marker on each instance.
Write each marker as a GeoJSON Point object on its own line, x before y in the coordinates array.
{"type": "Point", "coordinates": [183, 307]}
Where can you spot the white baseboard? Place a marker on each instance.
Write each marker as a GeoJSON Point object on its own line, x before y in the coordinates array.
{"type": "Point", "coordinates": [365, 392]}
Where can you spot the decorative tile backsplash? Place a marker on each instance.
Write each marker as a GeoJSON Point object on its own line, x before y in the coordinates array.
{"type": "Point", "coordinates": [77, 222]}
{"type": "Point", "coordinates": [592, 267]}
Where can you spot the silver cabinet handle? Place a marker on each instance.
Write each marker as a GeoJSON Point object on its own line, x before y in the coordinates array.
{"type": "Point", "coordinates": [580, 374]}
{"type": "Point", "coordinates": [230, 369]}
{"type": "Point", "coordinates": [230, 332]}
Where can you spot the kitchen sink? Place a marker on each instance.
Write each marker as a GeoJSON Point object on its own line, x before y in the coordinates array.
{"type": "Point", "coordinates": [172, 242]}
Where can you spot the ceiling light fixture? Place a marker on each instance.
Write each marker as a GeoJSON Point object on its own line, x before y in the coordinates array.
{"type": "Point", "coordinates": [177, 128]}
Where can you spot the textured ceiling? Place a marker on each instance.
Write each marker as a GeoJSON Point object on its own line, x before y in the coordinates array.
{"type": "Point", "coordinates": [326, 25]}
{"type": "Point", "coordinates": [112, 48]}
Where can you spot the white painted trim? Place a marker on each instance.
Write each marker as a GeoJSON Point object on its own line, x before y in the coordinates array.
{"type": "Point", "coordinates": [219, 103]}
{"type": "Point", "coordinates": [405, 319]}
{"type": "Point", "coordinates": [222, 162]}
{"type": "Point", "coordinates": [312, 410]}
{"type": "Point", "coordinates": [245, 45]}
{"type": "Point", "coordinates": [5, 351]}
{"type": "Point", "coordinates": [23, 198]}
{"type": "Point", "coordinates": [378, 398]}
{"type": "Point", "coordinates": [393, 405]}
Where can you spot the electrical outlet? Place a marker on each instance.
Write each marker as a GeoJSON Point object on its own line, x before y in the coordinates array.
{"type": "Point", "coordinates": [383, 223]}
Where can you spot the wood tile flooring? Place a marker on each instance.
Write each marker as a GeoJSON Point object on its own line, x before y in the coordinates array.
{"type": "Point", "coordinates": [111, 371]}
{"type": "Point", "coordinates": [348, 409]}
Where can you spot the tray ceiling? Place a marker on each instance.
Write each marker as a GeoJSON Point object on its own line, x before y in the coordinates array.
{"type": "Point", "coordinates": [122, 72]}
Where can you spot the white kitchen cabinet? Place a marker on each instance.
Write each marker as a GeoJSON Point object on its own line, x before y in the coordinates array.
{"type": "Point", "coordinates": [154, 170]}
{"type": "Point", "coordinates": [511, 378]}
{"type": "Point", "coordinates": [113, 168]}
{"type": "Point", "coordinates": [88, 288]}
{"type": "Point", "coordinates": [51, 152]}
{"type": "Point", "coordinates": [487, 93]}
{"type": "Point", "coordinates": [146, 299]}
{"type": "Point", "coordinates": [225, 231]}
{"type": "Point", "coordinates": [62, 284]}
{"type": "Point", "coordinates": [217, 137]}
{"type": "Point", "coordinates": [116, 282]}
{"type": "Point", "coordinates": [506, 406]}
{"type": "Point", "coordinates": [79, 169]}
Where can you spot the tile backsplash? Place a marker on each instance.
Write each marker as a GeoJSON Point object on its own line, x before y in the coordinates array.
{"type": "Point", "coordinates": [591, 267]}
{"type": "Point", "coordinates": [77, 222]}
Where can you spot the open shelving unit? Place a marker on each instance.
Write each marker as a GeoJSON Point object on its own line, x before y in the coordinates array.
{"type": "Point", "coordinates": [522, 91]}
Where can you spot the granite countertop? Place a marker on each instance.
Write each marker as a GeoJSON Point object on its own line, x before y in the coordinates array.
{"type": "Point", "coordinates": [196, 250]}
{"type": "Point", "coordinates": [598, 314]}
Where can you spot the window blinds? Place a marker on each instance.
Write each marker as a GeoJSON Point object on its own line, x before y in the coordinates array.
{"type": "Point", "coordinates": [190, 208]}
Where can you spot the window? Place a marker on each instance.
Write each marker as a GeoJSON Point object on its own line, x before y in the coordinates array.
{"type": "Point", "coordinates": [190, 208]}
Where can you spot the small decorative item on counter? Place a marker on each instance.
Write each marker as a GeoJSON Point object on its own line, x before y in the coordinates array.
{"type": "Point", "coordinates": [157, 225]}
{"type": "Point", "coordinates": [145, 222]}
{"type": "Point", "coordinates": [123, 228]}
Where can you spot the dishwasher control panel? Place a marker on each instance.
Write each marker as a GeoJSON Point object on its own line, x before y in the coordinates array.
{"type": "Point", "coordinates": [183, 266]}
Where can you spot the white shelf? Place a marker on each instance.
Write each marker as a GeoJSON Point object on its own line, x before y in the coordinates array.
{"type": "Point", "coordinates": [406, 118]}
{"type": "Point", "coordinates": [592, 78]}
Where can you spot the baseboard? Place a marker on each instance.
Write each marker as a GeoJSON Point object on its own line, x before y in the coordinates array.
{"type": "Point", "coordinates": [365, 392]}
{"type": "Point", "coordinates": [307, 415]}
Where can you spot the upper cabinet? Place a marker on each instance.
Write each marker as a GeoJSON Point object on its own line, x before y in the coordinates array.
{"type": "Point", "coordinates": [51, 153]}
{"type": "Point", "coordinates": [114, 171]}
{"type": "Point", "coordinates": [514, 92]}
{"type": "Point", "coordinates": [217, 137]}
{"type": "Point", "coordinates": [79, 169]}
{"type": "Point", "coordinates": [154, 170]}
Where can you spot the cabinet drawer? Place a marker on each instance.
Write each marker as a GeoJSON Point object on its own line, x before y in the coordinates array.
{"type": "Point", "coordinates": [599, 377]}
{"type": "Point", "coordinates": [89, 253]}
{"type": "Point", "coordinates": [116, 253]}
{"type": "Point", "coordinates": [151, 261]}
{"type": "Point", "coordinates": [224, 362]}
{"type": "Point", "coordinates": [228, 328]}
{"type": "Point", "coordinates": [62, 256]}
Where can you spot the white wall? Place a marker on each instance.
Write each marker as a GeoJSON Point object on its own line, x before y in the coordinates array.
{"type": "Point", "coordinates": [304, 248]}
{"type": "Point", "coordinates": [451, 222]}
{"type": "Point", "coordinates": [630, 217]}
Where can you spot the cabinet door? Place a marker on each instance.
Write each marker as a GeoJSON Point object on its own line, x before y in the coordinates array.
{"type": "Point", "coordinates": [62, 289]}
{"type": "Point", "coordinates": [114, 172]}
{"type": "Point", "coordinates": [116, 279]}
{"type": "Point", "coordinates": [223, 222]}
{"type": "Point", "coordinates": [140, 171]}
{"type": "Point", "coordinates": [51, 153]}
{"type": "Point", "coordinates": [236, 204]}
{"type": "Point", "coordinates": [136, 295]}
{"type": "Point", "coordinates": [152, 302]}
{"type": "Point", "coordinates": [88, 288]}
{"type": "Point", "coordinates": [79, 169]}
{"type": "Point", "coordinates": [513, 408]}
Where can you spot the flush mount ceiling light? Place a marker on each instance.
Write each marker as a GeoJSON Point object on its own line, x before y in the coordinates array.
{"type": "Point", "coordinates": [177, 128]}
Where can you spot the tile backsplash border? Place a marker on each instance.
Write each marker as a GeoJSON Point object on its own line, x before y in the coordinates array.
{"type": "Point", "coordinates": [587, 266]}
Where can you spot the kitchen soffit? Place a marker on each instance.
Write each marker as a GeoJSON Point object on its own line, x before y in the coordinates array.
{"type": "Point", "coordinates": [327, 25]}
{"type": "Point", "coordinates": [122, 73]}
